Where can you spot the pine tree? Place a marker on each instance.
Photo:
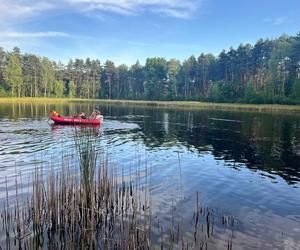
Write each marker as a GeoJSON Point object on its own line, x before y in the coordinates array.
{"type": "Point", "coordinates": [13, 75]}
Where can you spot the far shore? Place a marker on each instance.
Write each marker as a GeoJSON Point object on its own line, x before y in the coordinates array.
{"type": "Point", "coordinates": [163, 104]}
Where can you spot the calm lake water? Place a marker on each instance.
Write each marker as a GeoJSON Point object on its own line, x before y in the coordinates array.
{"type": "Point", "coordinates": [246, 165]}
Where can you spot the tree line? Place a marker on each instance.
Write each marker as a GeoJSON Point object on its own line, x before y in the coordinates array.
{"type": "Point", "coordinates": [266, 72]}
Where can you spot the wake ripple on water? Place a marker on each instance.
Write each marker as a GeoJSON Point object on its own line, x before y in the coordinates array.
{"type": "Point", "coordinates": [246, 165]}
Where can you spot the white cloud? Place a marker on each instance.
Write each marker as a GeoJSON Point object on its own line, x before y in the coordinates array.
{"type": "Point", "coordinates": [173, 8]}
{"type": "Point", "coordinates": [175, 13]}
{"type": "Point", "coordinates": [278, 20]}
{"type": "Point", "coordinates": [14, 34]}
{"type": "Point", "coordinates": [17, 9]}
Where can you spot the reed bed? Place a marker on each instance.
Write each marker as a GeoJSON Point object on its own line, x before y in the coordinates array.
{"type": "Point", "coordinates": [92, 206]}
{"type": "Point", "coordinates": [265, 108]}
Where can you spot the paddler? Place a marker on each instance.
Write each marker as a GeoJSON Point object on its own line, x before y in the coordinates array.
{"type": "Point", "coordinates": [96, 114]}
{"type": "Point", "coordinates": [53, 113]}
{"type": "Point", "coordinates": [82, 115]}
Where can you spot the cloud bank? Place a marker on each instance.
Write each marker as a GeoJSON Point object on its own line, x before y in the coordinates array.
{"type": "Point", "coordinates": [17, 9]}
{"type": "Point", "coordinates": [171, 8]}
{"type": "Point", "coordinates": [28, 8]}
{"type": "Point", "coordinates": [13, 34]}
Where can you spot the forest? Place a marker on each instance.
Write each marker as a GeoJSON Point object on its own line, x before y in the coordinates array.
{"type": "Point", "coordinates": [266, 72]}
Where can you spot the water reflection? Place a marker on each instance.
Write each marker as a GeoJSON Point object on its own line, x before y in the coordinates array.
{"type": "Point", "coordinates": [247, 164]}
{"type": "Point", "coordinates": [266, 142]}
{"type": "Point", "coordinates": [260, 141]}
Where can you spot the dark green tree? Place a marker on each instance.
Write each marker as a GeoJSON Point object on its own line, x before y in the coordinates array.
{"type": "Point", "coordinates": [156, 85]}
{"type": "Point", "coordinates": [13, 75]}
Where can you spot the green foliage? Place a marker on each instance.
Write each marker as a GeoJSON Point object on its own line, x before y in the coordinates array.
{"type": "Point", "coordinates": [214, 93]}
{"type": "Point", "coordinates": [250, 93]}
{"type": "Point", "coordinates": [58, 89]}
{"type": "Point", "coordinates": [123, 87]}
{"type": "Point", "coordinates": [72, 89]}
{"type": "Point", "coordinates": [173, 69]}
{"type": "Point", "coordinates": [296, 90]}
{"type": "Point", "coordinates": [48, 76]}
{"type": "Point", "coordinates": [2, 92]}
{"type": "Point", "coordinates": [266, 72]}
{"type": "Point", "coordinates": [13, 75]}
{"type": "Point", "coordinates": [156, 85]}
{"type": "Point", "coordinates": [136, 80]}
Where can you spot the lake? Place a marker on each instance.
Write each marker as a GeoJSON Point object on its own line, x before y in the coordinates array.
{"type": "Point", "coordinates": [243, 164]}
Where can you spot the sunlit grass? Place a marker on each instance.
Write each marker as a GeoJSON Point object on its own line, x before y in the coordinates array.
{"type": "Point", "coordinates": [163, 104]}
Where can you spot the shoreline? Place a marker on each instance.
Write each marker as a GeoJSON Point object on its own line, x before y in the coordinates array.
{"type": "Point", "coordinates": [270, 108]}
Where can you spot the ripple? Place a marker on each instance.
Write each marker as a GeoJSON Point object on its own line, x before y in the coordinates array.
{"type": "Point", "coordinates": [246, 165]}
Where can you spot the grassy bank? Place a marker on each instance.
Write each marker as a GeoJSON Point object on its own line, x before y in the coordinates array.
{"type": "Point", "coordinates": [164, 104]}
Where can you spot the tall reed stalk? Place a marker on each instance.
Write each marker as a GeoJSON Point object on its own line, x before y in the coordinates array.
{"type": "Point", "coordinates": [94, 207]}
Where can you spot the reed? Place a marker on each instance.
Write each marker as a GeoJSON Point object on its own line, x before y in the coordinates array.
{"type": "Point", "coordinates": [265, 108]}
{"type": "Point", "coordinates": [92, 206]}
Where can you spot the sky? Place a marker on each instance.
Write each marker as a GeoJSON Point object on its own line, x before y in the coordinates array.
{"type": "Point", "coordinates": [125, 31]}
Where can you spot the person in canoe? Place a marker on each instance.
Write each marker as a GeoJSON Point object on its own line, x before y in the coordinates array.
{"type": "Point", "coordinates": [54, 113]}
{"type": "Point", "coordinates": [96, 114]}
{"type": "Point", "coordinates": [82, 115]}
{"type": "Point", "coordinates": [81, 119]}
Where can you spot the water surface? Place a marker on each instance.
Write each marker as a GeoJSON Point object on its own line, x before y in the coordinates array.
{"type": "Point", "coordinates": [243, 164]}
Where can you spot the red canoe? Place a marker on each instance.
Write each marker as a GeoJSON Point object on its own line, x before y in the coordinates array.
{"type": "Point", "coordinates": [74, 121]}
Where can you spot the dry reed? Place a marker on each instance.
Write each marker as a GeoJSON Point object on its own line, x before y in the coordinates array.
{"type": "Point", "coordinates": [95, 207]}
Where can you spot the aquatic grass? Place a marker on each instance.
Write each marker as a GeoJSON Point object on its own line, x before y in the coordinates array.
{"type": "Point", "coordinates": [95, 207]}
{"type": "Point", "coordinates": [34, 100]}
{"type": "Point", "coordinates": [269, 108]}
{"type": "Point", "coordinates": [86, 148]}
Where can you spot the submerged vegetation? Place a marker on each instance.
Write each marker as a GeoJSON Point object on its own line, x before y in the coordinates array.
{"type": "Point", "coordinates": [92, 206]}
{"type": "Point", "coordinates": [266, 72]}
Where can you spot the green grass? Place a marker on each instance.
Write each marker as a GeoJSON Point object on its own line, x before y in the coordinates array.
{"type": "Point", "coordinates": [40, 100]}
{"type": "Point", "coordinates": [164, 104]}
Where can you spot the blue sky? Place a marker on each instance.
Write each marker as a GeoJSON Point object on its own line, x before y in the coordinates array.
{"type": "Point", "coordinates": [127, 30]}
